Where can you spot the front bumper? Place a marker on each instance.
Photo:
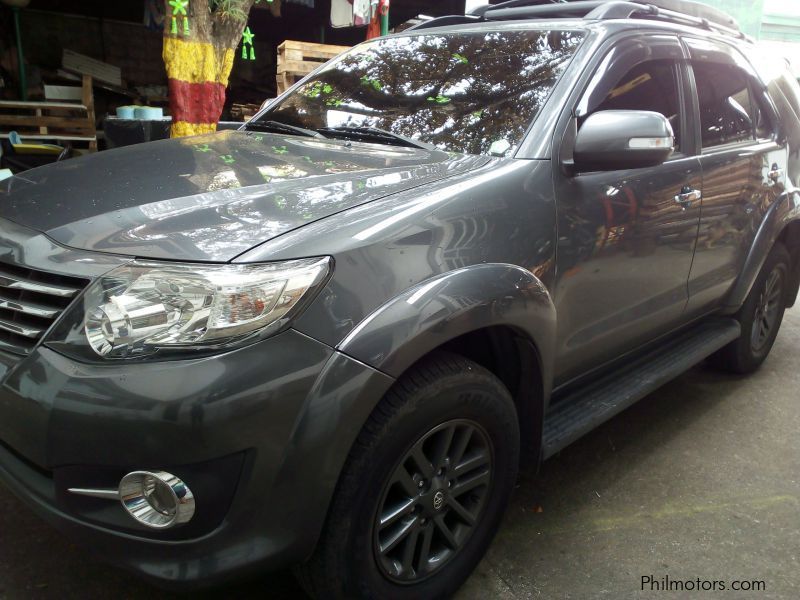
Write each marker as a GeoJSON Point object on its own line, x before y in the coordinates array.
{"type": "Point", "coordinates": [270, 425]}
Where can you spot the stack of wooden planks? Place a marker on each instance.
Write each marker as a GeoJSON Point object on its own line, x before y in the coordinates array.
{"type": "Point", "coordinates": [86, 65]}
{"type": "Point", "coordinates": [298, 59]}
{"type": "Point", "coordinates": [52, 121]}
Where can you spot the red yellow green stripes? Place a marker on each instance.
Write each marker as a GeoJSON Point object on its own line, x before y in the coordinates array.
{"type": "Point", "coordinates": [183, 129]}
{"type": "Point", "coordinates": [196, 102]}
{"type": "Point", "coordinates": [198, 75]}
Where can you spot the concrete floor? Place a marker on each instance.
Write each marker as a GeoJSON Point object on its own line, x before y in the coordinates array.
{"type": "Point", "coordinates": [699, 480]}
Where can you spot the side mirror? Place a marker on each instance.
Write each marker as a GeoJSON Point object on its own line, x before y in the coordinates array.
{"type": "Point", "coordinates": [623, 139]}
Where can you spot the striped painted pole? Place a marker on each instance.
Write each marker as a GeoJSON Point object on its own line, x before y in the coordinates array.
{"type": "Point", "coordinates": [197, 76]}
{"type": "Point", "coordinates": [200, 38]}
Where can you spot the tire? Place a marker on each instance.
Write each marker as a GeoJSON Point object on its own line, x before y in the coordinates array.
{"type": "Point", "coordinates": [760, 316]}
{"type": "Point", "coordinates": [441, 398]}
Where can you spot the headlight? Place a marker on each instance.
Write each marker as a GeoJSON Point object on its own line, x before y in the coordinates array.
{"type": "Point", "coordinates": [146, 307]}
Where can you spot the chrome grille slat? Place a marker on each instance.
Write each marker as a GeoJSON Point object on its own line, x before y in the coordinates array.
{"type": "Point", "coordinates": [17, 346]}
{"type": "Point", "coordinates": [28, 332]}
{"type": "Point", "coordinates": [13, 283]}
{"type": "Point", "coordinates": [30, 302]}
{"type": "Point", "coordinates": [29, 308]}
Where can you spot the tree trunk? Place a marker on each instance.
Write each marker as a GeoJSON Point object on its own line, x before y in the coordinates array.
{"type": "Point", "coordinates": [199, 58]}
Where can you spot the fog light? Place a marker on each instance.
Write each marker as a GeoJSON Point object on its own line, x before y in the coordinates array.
{"type": "Point", "coordinates": [158, 500]}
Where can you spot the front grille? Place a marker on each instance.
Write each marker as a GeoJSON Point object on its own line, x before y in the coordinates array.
{"type": "Point", "coordinates": [30, 301]}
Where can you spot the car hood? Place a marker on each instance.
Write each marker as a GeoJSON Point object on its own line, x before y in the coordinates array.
{"type": "Point", "coordinates": [212, 197]}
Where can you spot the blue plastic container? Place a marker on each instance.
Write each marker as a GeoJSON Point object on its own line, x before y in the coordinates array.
{"type": "Point", "coordinates": [125, 112]}
{"type": "Point", "coordinates": [148, 113]}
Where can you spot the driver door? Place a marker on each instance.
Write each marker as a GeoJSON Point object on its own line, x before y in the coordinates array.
{"type": "Point", "coordinates": [625, 241]}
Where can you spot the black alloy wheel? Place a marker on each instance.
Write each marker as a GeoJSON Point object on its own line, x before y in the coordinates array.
{"type": "Point", "coordinates": [760, 316]}
{"type": "Point", "coordinates": [768, 309]}
{"type": "Point", "coordinates": [432, 501]}
{"type": "Point", "coordinates": [424, 488]}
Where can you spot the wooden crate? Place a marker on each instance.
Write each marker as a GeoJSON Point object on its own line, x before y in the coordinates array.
{"type": "Point", "coordinates": [52, 121]}
{"type": "Point", "coordinates": [298, 59]}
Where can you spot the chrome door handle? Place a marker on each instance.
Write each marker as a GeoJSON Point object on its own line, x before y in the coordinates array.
{"type": "Point", "coordinates": [687, 196]}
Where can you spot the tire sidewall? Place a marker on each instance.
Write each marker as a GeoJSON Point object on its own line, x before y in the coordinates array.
{"type": "Point", "coordinates": [778, 258]}
{"type": "Point", "coordinates": [470, 396]}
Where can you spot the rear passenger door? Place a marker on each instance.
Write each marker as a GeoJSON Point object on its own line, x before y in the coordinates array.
{"type": "Point", "coordinates": [741, 163]}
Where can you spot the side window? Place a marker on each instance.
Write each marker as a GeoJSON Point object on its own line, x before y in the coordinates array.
{"type": "Point", "coordinates": [650, 86]}
{"type": "Point", "coordinates": [729, 112]}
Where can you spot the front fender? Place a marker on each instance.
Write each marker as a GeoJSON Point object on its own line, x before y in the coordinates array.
{"type": "Point", "coordinates": [403, 330]}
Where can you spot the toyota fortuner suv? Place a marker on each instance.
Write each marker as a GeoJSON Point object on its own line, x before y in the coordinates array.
{"type": "Point", "coordinates": [326, 340]}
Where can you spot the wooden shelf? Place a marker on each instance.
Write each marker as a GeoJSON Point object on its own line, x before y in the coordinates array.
{"type": "Point", "coordinates": [52, 121]}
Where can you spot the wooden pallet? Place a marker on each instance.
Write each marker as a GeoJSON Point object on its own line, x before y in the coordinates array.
{"type": "Point", "coordinates": [53, 121]}
{"type": "Point", "coordinates": [298, 59]}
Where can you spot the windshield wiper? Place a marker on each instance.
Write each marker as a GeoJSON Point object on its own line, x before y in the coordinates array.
{"type": "Point", "coordinates": [374, 134]}
{"type": "Point", "coordinates": [279, 127]}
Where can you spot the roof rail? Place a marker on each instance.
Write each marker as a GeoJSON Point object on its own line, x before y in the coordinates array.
{"type": "Point", "coordinates": [628, 10]}
{"type": "Point", "coordinates": [481, 10]}
{"type": "Point", "coordinates": [444, 21]}
{"type": "Point", "coordinates": [615, 10]}
{"type": "Point", "coordinates": [536, 9]}
{"type": "Point", "coordinates": [682, 12]}
{"type": "Point", "coordinates": [695, 9]}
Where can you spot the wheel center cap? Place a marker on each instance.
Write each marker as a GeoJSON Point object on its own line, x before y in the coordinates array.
{"type": "Point", "coordinates": [438, 500]}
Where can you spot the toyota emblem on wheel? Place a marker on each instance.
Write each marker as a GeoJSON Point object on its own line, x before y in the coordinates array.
{"type": "Point", "coordinates": [438, 500]}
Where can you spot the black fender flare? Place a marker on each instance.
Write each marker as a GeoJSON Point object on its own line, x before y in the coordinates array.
{"type": "Point", "coordinates": [403, 330]}
{"type": "Point", "coordinates": [386, 343]}
{"type": "Point", "coordinates": [784, 212]}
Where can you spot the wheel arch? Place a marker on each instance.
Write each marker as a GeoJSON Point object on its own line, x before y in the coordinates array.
{"type": "Point", "coordinates": [790, 238]}
{"type": "Point", "coordinates": [511, 356]}
{"type": "Point", "coordinates": [500, 316]}
{"type": "Point", "coordinates": [780, 224]}
{"type": "Point", "coordinates": [441, 309]}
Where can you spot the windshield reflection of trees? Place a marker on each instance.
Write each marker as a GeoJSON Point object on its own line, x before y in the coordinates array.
{"type": "Point", "coordinates": [461, 92]}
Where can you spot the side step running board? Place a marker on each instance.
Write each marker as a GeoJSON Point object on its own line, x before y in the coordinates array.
{"type": "Point", "coordinates": [584, 409]}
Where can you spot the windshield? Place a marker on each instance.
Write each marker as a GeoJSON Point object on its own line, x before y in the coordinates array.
{"type": "Point", "coordinates": [471, 92]}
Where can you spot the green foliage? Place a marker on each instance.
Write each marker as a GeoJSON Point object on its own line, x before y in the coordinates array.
{"type": "Point", "coordinates": [373, 83]}
{"type": "Point", "coordinates": [235, 10]}
{"type": "Point", "coordinates": [318, 88]}
{"type": "Point", "coordinates": [439, 99]}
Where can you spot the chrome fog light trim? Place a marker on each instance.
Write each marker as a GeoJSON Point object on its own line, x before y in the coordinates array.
{"type": "Point", "coordinates": [158, 500]}
{"type": "Point", "coordinates": [104, 494]}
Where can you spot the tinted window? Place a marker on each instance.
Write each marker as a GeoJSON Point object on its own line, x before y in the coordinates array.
{"type": "Point", "coordinates": [468, 92]}
{"type": "Point", "coordinates": [728, 111]}
{"type": "Point", "coordinates": [648, 86]}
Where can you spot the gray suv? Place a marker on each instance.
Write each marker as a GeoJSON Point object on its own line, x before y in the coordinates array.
{"type": "Point", "coordinates": [327, 340]}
